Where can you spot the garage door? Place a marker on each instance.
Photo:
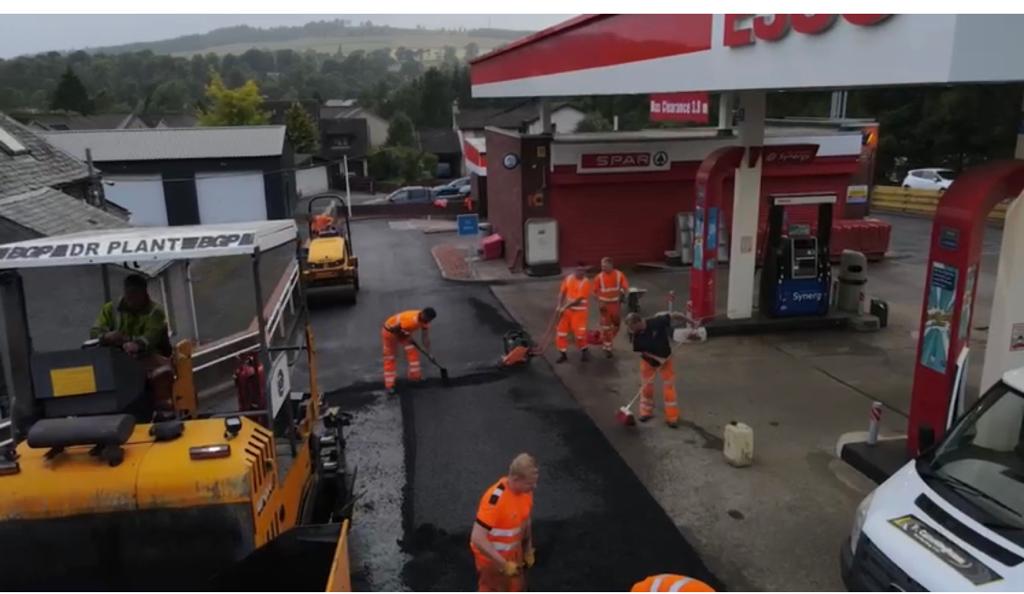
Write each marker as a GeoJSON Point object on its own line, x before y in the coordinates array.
{"type": "Point", "coordinates": [629, 223]}
{"type": "Point", "coordinates": [311, 181]}
{"type": "Point", "coordinates": [142, 196]}
{"type": "Point", "coordinates": [231, 197]}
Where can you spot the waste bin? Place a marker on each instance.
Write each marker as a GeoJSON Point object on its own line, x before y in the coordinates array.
{"type": "Point", "coordinates": [853, 275]}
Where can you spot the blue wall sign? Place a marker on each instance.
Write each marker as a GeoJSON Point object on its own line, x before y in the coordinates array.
{"type": "Point", "coordinates": [468, 224]}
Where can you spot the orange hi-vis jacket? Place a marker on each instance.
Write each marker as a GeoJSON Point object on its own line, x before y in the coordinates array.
{"type": "Point", "coordinates": [573, 289]}
{"type": "Point", "coordinates": [504, 514]}
{"type": "Point", "coordinates": [610, 286]}
{"type": "Point", "coordinates": [403, 324]}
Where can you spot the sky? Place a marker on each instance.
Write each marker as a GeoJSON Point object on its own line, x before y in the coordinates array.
{"type": "Point", "coordinates": [31, 34]}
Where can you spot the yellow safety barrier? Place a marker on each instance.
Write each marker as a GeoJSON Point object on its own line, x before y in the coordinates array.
{"type": "Point", "coordinates": [918, 202]}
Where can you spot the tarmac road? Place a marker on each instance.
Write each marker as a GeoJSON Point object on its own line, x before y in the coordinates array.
{"type": "Point", "coordinates": [429, 456]}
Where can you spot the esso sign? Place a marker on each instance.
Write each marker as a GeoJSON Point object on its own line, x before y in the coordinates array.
{"type": "Point", "coordinates": [741, 29]}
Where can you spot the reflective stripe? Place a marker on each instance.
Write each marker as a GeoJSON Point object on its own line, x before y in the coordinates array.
{"type": "Point", "coordinates": [608, 299]}
{"type": "Point", "coordinates": [579, 307]}
{"type": "Point", "coordinates": [656, 584]}
{"type": "Point", "coordinates": [505, 546]}
{"type": "Point", "coordinates": [389, 357]}
{"type": "Point", "coordinates": [679, 584]}
{"type": "Point", "coordinates": [506, 532]}
{"type": "Point", "coordinates": [563, 334]}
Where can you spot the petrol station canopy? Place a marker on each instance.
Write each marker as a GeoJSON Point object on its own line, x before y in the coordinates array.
{"type": "Point", "coordinates": [653, 53]}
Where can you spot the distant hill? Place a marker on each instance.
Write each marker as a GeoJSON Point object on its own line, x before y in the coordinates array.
{"type": "Point", "coordinates": [322, 36]}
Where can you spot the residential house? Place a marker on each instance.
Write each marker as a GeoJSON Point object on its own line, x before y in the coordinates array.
{"type": "Point", "coordinates": [169, 120]}
{"type": "Point", "coordinates": [186, 176]}
{"type": "Point", "coordinates": [444, 144]}
{"type": "Point", "coordinates": [523, 117]}
{"type": "Point", "coordinates": [349, 130]}
{"type": "Point", "coordinates": [28, 162]}
{"type": "Point", "coordinates": [69, 120]}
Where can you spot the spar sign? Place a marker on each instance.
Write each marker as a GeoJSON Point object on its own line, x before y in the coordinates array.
{"type": "Point", "coordinates": [624, 162]}
{"type": "Point", "coordinates": [680, 107]}
{"type": "Point", "coordinates": [129, 247]}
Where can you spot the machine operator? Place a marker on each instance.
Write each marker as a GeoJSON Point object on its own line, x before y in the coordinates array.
{"type": "Point", "coordinates": [138, 325]}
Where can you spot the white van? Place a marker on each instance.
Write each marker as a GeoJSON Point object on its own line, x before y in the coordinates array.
{"type": "Point", "coordinates": [954, 518]}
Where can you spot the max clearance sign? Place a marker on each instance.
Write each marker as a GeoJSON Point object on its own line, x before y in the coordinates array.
{"type": "Point", "coordinates": [624, 162]}
{"type": "Point", "coordinates": [680, 107]}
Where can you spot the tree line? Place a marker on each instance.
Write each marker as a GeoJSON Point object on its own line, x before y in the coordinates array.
{"type": "Point", "coordinates": [953, 126]}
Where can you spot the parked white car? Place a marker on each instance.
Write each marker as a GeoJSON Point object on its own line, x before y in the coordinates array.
{"type": "Point", "coordinates": [933, 178]}
{"type": "Point", "coordinates": [954, 518]}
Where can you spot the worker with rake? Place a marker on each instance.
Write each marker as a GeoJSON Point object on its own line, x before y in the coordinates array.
{"type": "Point", "coordinates": [652, 338]}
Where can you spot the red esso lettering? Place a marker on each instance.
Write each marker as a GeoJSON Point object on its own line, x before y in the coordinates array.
{"type": "Point", "coordinates": [773, 27]}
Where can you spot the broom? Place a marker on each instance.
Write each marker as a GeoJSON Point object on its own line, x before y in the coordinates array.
{"type": "Point", "coordinates": [624, 416]}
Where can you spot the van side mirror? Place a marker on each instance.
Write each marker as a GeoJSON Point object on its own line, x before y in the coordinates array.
{"type": "Point", "coordinates": [925, 438]}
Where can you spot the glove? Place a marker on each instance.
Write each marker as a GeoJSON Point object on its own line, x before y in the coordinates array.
{"type": "Point", "coordinates": [511, 569]}
{"type": "Point", "coordinates": [530, 557]}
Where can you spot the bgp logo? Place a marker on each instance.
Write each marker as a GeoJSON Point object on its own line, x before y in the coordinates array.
{"type": "Point", "coordinates": [741, 30]}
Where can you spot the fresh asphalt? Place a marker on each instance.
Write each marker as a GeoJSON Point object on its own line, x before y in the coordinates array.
{"type": "Point", "coordinates": [428, 454]}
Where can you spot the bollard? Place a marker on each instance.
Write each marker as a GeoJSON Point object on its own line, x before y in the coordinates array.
{"type": "Point", "coordinates": [876, 416]}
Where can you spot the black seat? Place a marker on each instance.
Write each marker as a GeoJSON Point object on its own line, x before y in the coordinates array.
{"type": "Point", "coordinates": [99, 430]}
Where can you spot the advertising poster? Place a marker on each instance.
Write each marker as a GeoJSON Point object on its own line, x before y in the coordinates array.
{"type": "Point", "coordinates": [698, 239]}
{"type": "Point", "coordinates": [939, 323]}
{"type": "Point", "coordinates": [965, 310]}
{"type": "Point", "coordinates": [1017, 337]}
{"type": "Point", "coordinates": [712, 235]}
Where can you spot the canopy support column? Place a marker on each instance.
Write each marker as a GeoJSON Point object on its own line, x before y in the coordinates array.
{"type": "Point", "coordinates": [746, 204]}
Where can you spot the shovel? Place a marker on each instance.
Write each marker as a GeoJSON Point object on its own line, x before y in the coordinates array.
{"type": "Point", "coordinates": [444, 371]}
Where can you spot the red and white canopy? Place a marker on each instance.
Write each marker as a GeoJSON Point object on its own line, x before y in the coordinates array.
{"type": "Point", "coordinates": [616, 54]}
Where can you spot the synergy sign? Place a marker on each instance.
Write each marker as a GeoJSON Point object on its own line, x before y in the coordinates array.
{"type": "Point", "coordinates": [746, 29]}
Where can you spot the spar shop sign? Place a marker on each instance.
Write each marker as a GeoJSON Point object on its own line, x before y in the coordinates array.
{"type": "Point", "coordinates": [624, 162]}
{"type": "Point", "coordinates": [155, 248]}
{"type": "Point", "coordinates": [747, 29]}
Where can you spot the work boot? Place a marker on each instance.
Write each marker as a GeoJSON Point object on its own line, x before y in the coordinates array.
{"type": "Point", "coordinates": [562, 357]}
{"type": "Point", "coordinates": [672, 424]}
{"type": "Point", "coordinates": [392, 391]}
{"type": "Point", "coordinates": [608, 354]}
{"type": "Point", "coordinates": [585, 355]}
{"type": "Point", "coordinates": [644, 418]}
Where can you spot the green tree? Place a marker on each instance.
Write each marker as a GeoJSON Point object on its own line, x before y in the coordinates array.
{"type": "Point", "coordinates": [593, 122]}
{"type": "Point", "coordinates": [241, 106]}
{"type": "Point", "coordinates": [402, 164]}
{"type": "Point", "coordinates": [169, 97]}
{"type": "Point", "coordinates": [71, 94]}
{"type": "Point", "coordinates": [301, 132]}
{"type": "Point", "coordinates": [401, 131]}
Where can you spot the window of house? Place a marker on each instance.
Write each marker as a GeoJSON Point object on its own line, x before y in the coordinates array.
{"type": "Point", "coordinates": [11, 145]}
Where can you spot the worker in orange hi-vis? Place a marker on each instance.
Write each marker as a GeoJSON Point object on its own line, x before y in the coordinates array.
{"type": "Point", "coordinates": [502, 537]}
{"type": "Point", "coordinates": [572, 303]}
{"type": "Point", "coordinates": [321, 222]}
{"type": "Point", "coordinates": [611, 287]}
{"type": "Point", "coordinates": [669, 582]}
{"type": "Point", "coordinates": [398, 330]}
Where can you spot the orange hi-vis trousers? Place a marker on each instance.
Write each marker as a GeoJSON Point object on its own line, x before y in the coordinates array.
{"type": "Point", "coordinates": [611, 320]}
{"type": "Point", "coordinates": [668, 389]}
{"type": "Point", "coordinates": [389, 342]}
{"type": "Point", "coordinates": [573, 321]}
{"type": "Point", "coordinates": [491, 578]}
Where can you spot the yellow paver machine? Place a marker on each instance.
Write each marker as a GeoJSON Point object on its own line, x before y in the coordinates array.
{"type": "Point", "coordinates": [105, 487]}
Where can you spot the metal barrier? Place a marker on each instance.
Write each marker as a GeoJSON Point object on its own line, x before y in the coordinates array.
{"type": "Point", "coordinates": [918, 202]}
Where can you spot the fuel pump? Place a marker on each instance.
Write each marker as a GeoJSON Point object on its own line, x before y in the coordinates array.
{"type": "Point", "coordinates": [797, 275]}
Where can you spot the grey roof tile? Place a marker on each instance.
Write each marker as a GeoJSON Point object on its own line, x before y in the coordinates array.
{"type": "Point", "coordinates": [43, 166]}
{"type": "Point", "coordinates": [51, 212]}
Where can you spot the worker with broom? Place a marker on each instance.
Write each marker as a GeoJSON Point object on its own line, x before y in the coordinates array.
{"type": "Point", "coordinates": [651, 337]}
{"type": "Point", "coordinates": [398, 330]}
{"type": "Point", "coordinates": [502, 535]}
{"type": "Point", "coordinates": [612, 286]}
{"type": "Point", "coordinates": [573, 299]}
